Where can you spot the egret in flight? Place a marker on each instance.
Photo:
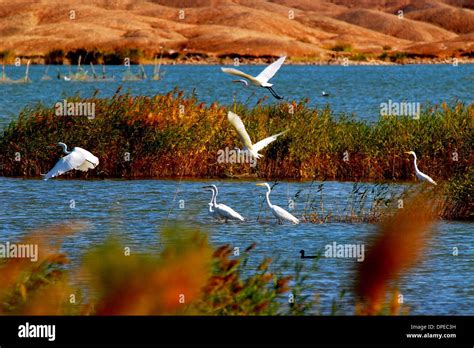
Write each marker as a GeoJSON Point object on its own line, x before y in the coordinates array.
{"type": "Point", "coordinates": [261, 80]}
{"type": "Point", "coordinates": [421, 176]}
{"type": "Point", "coordinates": [280, 213]}
{"type": "Point", "coordinates": [235, 120]}
{"type": "Point", "coordinates": [78, 159]}
{"type": "Point", "coordinates": [223, 211]}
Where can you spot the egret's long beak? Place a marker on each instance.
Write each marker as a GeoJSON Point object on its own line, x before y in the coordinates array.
{"type": "Point", "coordinates": [207, 187]}
{"type": "Point", "coordinates": [408, 152]}
{"type": "Point", "coordinates": [259, 184]}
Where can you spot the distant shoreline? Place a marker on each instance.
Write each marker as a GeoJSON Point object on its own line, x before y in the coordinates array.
{"type": "Point", "coordinates": [264, 61]}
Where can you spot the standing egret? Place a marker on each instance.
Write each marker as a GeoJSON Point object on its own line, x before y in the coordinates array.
{"type": "Point", "coordinates": [212, 211]}
{"type": "Point", "coordinates": [221, 210]}
{"type": "Point", "coordinates": [261, 80]}
{"type": "Point", "coordinates": [78, 159]}
{"type": "Point", "coordinates": [421, 176]}
{"type": "Point", "coordinates": [280, 213]}
{"type": "Point", "coordinates": [235, 120]}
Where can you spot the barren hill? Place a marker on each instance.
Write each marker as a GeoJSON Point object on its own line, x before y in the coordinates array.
{"type": "Point", "coordinates": [311, 29]}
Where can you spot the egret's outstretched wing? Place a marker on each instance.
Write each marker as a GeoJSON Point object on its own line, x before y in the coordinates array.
{"type": "Point", "coordinates": [235, 120]}
{"type": "Point", "coordinates": [282, 214]}
{"type": "Point", "coordinates": [270, 70]}
{"type": "Point", "coordinates": [239, 73]}
{"type": "Point", "coordinates": [72, 161]}
{"type": "Point", "coordinates": [90, 162]}
{"type": "Point", "coordinates": [262, 143]}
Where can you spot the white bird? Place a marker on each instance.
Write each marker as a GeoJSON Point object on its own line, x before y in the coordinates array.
{"type": "Point", "coordinates": [235, 120]}
{"type": "Point", "coordinates": [221, 210]}
{"type": "Point", "coordinates": [280, 213]}
{"type": "Point", "coordinates": [212, 211]}
{"type": "Point", "coordinates": [420, 175]}
{"type": "Point", "coordinates": [261, 80]}
{"type": "Point", "coordinates": [78, 159]}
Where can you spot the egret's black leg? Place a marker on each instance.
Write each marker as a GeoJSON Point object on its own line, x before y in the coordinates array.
{"type": "Point", "coordinates": [272, 91]}
{"type": "Point", "coordinates": [274, 94]}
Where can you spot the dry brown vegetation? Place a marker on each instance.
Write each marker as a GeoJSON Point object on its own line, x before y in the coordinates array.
{"type": "Point", "coordinates": [220, 28]}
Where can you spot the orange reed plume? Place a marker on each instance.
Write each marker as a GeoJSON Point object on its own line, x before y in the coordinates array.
{"type": "Point", "coordinates": [397, 246]}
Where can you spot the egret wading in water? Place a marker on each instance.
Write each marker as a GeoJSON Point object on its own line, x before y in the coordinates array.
{"type": "Point", "coordinates": [421, 176]}
{"type": "Point", "coordinates": [261, 80]}
{"type": "Point", "coordinates": [78, 159]}
{"type": "Point", "coordinates": [235, 121]}
{"type": "Point", "coordinates": [219, 210]}
{"type": "Point", "coordinates": [280, 213]}
{"type": "Point", "coordinates": [212, 211]}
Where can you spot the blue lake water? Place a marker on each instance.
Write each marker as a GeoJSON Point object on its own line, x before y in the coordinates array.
{"type": "Point", "coordinates": [353, 89]}
{"type": "Point", "coordinates": [137, 210]}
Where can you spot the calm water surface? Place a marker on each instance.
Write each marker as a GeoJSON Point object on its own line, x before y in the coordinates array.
{"type": "Point", "coordinates": [137, 210]}
{"type": "Point", "coordinates": [353, 89]}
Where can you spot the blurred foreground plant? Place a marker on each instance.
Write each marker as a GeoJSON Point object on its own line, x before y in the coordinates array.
{"type": "Point", "coordinates": [186, 278]}
{"type": "Point", "coordinates": [397, 246]}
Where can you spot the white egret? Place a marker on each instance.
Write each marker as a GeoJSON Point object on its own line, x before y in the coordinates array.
{"type": "Point", "coordinates": [421, 176]}
{"type": "Point", "coordinates": [261, 80]}
{"type": "Point", "coordinates": [221, 210]}
{"type": "Point", "coordinates": [212, 211]}
{"type": "Point", "coordinates": [280, 213]}
{"type": "Point", "coordinates": [235, 120]}
{"type": "Point", "coordinates": [78, 159]}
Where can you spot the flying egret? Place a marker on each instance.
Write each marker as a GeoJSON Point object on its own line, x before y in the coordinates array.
{"type": "Point", "coordinates": [78, 159]}
{"type": "Point", "coordinates": [261, 80]}
{"type": "Point", "coordinates": [280, 213]}
{"type": "Point", "coordinates": [221, 210]}
{"type": "Point", "coordinates": [235, 120]}
{"type": "Point", "coordinates": [420, 175]}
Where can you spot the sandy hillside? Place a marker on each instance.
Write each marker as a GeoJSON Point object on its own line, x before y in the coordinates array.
{"type": "Point", "coordinates": [298, 28]}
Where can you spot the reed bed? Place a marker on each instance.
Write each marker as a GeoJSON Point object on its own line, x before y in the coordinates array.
{"type": "Point", "coordinates": [369, 202]}
{"type": "Point", "coordinates": [175, 135]}
{"type": "Point", "coordinates": [364, 204]}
